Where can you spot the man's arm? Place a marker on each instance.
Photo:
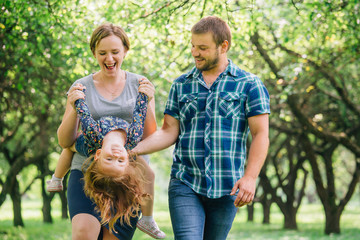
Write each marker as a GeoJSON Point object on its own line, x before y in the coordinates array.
{"type": "Point", "coordinates": [161, 139]}
{"type": "Point", "coordinates": [259, 128]}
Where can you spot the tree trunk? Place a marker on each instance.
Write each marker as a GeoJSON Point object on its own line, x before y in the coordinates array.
{"type": "Point", "coordinates": [46, 209]}
{"type": "Point", "coordinates": [290, 220]}
{"type": "Point", "coordinates": [332, 222]}
{"type": "Point", "coordinates": [250, 211]}
{"type": "Point", "coordinates": [266, 204]}
{"type": "Point", "coordinates": [43, 166]}
{"type": "Point", "coordinates": [16, 200]}
{"type": "Point", "coordinates": [63, 198]}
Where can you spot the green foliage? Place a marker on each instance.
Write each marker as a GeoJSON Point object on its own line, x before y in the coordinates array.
{"type": "Point", "coordinates": [312, 50]}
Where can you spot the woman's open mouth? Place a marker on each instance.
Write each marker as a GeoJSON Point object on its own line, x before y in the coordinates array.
{"type": "Point", "coordinates": [110, 66]}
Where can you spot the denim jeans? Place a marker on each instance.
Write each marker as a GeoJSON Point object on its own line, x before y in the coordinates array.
{"type": "Point", "coordinates": [196, 217]}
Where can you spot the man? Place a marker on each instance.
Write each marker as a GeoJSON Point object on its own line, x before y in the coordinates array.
{"type": "Point", "coordinates": [208, 114]}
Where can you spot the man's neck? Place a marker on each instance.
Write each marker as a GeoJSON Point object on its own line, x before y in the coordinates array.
{"type": "Point", "coordinates": [223, 63]}
{"type": "Point", "coordinates": [211, 75]}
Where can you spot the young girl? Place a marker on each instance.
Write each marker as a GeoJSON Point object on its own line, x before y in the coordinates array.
{"type": "Point", "coordinates": [117, 184]}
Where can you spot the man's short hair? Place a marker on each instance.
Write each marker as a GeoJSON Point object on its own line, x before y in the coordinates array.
{"type": "Point", "coordinates": [219, 28]}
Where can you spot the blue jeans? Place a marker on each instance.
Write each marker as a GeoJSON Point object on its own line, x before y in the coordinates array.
{"type": "Point", "coordinates": [196, 217]}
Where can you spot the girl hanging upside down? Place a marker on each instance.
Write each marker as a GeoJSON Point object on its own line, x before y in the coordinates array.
{"type": "Point", "coordinates": [119, 184]}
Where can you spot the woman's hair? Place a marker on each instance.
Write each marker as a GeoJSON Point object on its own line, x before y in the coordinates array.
{"type": "Point", "coordinates": [219, 29]}
{"type": "Point", "coordinates": [106, 30]}
{"type": "Point", "coordinates": [116, 197]}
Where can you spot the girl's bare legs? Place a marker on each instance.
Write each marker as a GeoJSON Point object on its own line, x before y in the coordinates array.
{"type": "Point", "coordinates": [62, 167]}
{"type": "Point", "coordinates": [149, 176]}
{"type": "Point", "coordinates": [64, 163]}
{"type": "Point", "coordinates": [147, 223]}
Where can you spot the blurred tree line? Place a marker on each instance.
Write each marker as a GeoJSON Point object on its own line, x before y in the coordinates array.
{"type": "Point", "coordinates": [306, 52]}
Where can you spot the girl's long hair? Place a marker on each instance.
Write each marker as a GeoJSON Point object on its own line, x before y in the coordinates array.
{"type": "Point", "coordinates": [117, 197]}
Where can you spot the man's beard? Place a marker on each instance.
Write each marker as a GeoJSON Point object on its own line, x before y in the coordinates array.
{"type": "Point", "coordinates": [210, 63]}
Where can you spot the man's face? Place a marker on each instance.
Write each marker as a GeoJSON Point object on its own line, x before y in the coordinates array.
{"type": "Point", "coordinates": [204, 51]}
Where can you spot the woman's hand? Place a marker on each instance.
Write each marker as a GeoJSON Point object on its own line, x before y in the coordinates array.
{"type": "Point", "coordinates": [147, 88]}
{"type": "Point", "coordinates": [75, 93]}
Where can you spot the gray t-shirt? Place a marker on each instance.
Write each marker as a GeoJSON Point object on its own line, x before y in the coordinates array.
{"type": "Point", "coordinates": [122, 106]}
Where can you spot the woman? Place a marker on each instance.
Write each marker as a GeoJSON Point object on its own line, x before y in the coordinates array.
{"type": "Point", "coordinates": [110, 91]}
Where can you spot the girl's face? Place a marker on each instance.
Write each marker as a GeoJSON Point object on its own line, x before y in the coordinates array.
{"type": "Point", "coordinates": [113, 158]}
{"type": "Point", "coordinates": [110, 53]}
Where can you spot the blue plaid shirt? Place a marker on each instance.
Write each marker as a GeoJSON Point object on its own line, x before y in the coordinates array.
{"type": "Point", "coordinates": [210, 153]}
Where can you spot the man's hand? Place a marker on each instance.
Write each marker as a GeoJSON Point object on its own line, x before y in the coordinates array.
{"type": "Point", "coordinates": [246, 186]}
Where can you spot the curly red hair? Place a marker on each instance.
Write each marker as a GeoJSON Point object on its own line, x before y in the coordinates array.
{"type": "Point", "coordinates": [117, 197]}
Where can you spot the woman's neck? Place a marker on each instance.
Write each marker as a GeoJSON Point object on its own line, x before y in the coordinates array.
{"type": "Point", "coordinates": [110, 87]}
{"type": "Point", "coordinates": [101, 77]}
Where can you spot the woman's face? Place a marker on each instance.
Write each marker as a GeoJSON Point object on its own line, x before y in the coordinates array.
{"type": "Point", "coordinates": [110, 53]}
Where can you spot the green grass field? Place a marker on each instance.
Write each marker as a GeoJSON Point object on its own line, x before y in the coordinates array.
{"type": "Point", "coordinates": [310, 223]}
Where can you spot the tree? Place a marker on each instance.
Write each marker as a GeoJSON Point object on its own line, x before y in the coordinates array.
{"type": "Point", "coordinates": [305, 52]}
{"type": "Point", "coordinates": [316, 78]}
{"type": "Point", "coordinates": [32, 70]}
{"type": "Point", "coordinates": [285, 186]}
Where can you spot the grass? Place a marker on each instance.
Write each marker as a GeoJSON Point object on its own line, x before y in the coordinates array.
{"type": "Point", "coordinates": [310, 223]}
{"type": "Point", "coordinates": [310, 218]}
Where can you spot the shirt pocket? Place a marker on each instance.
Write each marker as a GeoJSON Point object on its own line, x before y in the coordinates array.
{"type": "Point", "coordinates": [188, 106]}
{"type": "Point", "coordinates": [231, 105]}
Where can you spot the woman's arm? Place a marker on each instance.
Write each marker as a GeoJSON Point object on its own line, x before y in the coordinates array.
{"type": "Point", "coordinates": [150, 121]}
{"type": "Point", "coordinates": [67, 131]}
{"type": "Point", "coordinates": [136, 127]}
{"type": "Point", "coordinates": [148, 88]}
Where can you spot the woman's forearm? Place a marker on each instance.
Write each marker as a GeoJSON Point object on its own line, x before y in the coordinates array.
{"type": "Point", "coordinates": [68, 128]}
{"type": "Point", "coordinates": [150, 121]}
